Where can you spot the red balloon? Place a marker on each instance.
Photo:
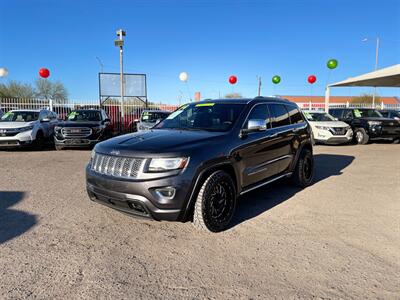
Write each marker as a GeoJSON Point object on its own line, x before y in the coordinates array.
{"type": "Point", "coordinates": [312, 79]}
{"type": "Point", "coordinates": [44, 73]}
{"type": "Point", "coordinates": [232, 79]}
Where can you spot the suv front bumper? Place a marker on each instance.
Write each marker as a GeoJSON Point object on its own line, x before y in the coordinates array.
{"type": "Point", "coordinates": [22, 139]}
{"type": "Point", "coordinates": [138, 198]}
{"type": "Point", "coordinates": [326, 137]}
{"type": "Point", "coordinates": [75, 142]}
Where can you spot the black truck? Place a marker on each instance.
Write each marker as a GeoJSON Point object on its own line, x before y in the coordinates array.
{"type": "Point", "coordinates": [368, 124]}
{"type": "Point", "coordinates": [82, 128]}
{"type": "Point", "coordinates": [194, 164]}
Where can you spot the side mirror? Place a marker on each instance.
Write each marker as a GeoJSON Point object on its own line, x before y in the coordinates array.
{"type": "Point", "coordinates": [254, 125]}
{"type": "Point", "coordinates": [45, 120]}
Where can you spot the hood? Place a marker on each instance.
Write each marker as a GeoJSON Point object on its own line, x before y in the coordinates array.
{"type": "Point", "coordinates": [16, 124]}
{"type": "Point", "coordinates": [329, 123]}
{"type": "Point", "coordinates": [158, 141]}
{"type": "Point", "coordinates": [78, 124]}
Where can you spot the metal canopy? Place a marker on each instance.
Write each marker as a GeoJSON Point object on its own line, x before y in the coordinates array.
{"type": "Point", "coordinates": [387, 77]}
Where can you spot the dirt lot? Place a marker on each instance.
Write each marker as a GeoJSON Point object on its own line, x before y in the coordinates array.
{"type": "Point", "coordinates": [339, 238]}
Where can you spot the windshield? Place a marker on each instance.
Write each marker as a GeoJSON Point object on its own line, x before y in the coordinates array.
{"type": "Point", "coordinates": [203, 116]}
{"type": "Point", "coordinates": [152, 117]}
{"type": "Point", "coordinates": [367, 113]}
{"type": "Point", "coordinates": [20, 116]}
{"type": "Point", "coordinates": [84, 116]}
{"type": "Point", "coordinates": [318, 117]}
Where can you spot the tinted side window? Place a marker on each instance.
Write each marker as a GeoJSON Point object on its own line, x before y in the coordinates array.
{"type": "Point", "coordinates": [295, 115]}
{"type": "Point", "coordinates": [337, 113]}
{"type": "Point", "coordinates": [348, 114]}
{"type": "Point", "coordinates": [260, 112]}
{"type": "Point", "coordinates": [385, 114]}
{"type": "Point", "coordinates": [279, 114]}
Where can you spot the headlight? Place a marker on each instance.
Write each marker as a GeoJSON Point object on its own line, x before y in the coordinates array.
{"type": "Point", "coordinates": [167, 164]}
{"type": "Point", "coordinates": [374, 123]}
{"type": "Point", "coordinates": [27, 128]}
{"type": "Point", "coordinates": [322, 127]}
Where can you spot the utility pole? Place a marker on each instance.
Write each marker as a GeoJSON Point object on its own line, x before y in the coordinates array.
{"type": "Point", "coordinates": [376, 68]}
{"type": "Point", "coordinates": [120, 43]}
{"type": "Point", "coordinates": [376, 64]}
{"type": "Point", "coordinates": [259, 85]}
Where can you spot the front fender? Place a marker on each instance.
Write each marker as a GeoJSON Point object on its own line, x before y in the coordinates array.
{"type": "Point", "coordinates": [200, 176]}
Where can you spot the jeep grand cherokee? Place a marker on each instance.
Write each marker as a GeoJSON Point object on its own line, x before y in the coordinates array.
{"type": "Point", "coordinates": [195, 163]}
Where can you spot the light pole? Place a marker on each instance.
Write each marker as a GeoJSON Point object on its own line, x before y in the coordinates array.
{"type": "Point", "coordinates": [120, 43]}
{"type": "Point", "coordinates": [376, 65]}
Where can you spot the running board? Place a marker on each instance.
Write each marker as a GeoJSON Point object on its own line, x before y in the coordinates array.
{"type": "Point", "coordinates": [266, 182]}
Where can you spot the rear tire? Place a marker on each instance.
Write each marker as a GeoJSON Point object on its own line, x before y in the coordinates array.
{"type": "Point", "coordinates": [304, 172]}
{"type": "Point", "coordinates": [361, 136]}
{"type": "Point", "coordinates": [216, 203]}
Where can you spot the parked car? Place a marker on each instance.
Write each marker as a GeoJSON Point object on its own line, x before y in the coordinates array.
{"type": "Point", "coordinates": [391, 114]}
{"type": "Point", "coordinates": [27, 128]}
{"type": "Point", "coordinates": [194, 164]}
{"type": "Point", "coordinates": [149, 118]}
{"type": "Point", "coordinates": [1, 113]}
{"type": "Point", "coordinates": [327, 130]}
{"type": "Point", "coordinates": [83, 128]}
{"type": "Point", "coordinates": [368, 124]}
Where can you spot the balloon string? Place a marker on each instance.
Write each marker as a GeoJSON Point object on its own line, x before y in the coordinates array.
{"type": "Point", "coordinates": [189, 91]}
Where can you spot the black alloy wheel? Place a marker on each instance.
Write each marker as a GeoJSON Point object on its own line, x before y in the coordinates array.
{"type": "Point", "coordinates": [216, 203]}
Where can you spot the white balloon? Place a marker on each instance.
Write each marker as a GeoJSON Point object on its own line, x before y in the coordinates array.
{"type": "Point", "coordinates": [183, 76]}
{"type": "Point", "coordinates": [3, 72]}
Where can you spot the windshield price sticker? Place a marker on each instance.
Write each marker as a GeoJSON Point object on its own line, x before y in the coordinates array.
{"type": "Point", "coordinates": [205, 104]}
{"type": "Point", "coordinates": [308, 115]}
{"type": "Point", "coordinates": [357, 113]}
{"type": "Point", "coordinates": [177, 112]}
{"type": "Point", "coordinates": [7, 114]}
{"type": "Point", "coordinates": [145, 117]}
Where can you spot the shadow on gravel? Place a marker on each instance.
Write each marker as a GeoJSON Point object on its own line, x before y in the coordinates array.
{"type": "Point", "coordinates": [13, 223]}
{"type": "Point", "coordinates": [256, 202]}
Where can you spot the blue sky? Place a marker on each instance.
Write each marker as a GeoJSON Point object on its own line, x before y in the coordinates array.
{"type": "Point", "coordinates": [208, 39]}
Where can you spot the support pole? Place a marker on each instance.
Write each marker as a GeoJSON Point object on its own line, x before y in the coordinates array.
{"type": "Point", "coordinates": [327, 95]}
{"type": "Point", "coordinates": [122, 89]}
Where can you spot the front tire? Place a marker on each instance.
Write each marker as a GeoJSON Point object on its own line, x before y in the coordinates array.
{"type": "Point", "coordinates": [38, 144]}
{"type": "Point", "coordinates": [216, 203]}
{"type": "Point", "coordinates": [304, 172]}
{"type": "Point", "coordinates": [361, 136]}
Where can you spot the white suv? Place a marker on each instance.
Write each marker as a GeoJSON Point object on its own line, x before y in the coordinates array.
{"type": "Point", "coordinates": [328, 130]}
{"type": "Point", "coordinates": [27, 127]}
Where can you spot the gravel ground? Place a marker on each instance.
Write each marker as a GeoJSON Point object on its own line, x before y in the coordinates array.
{"type": "Point", "coordinates": [339, 238]}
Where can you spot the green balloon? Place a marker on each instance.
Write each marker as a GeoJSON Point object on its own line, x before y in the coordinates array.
{"type": "Point", "coordinates": [332, 64]}
{"type": "Point", "coordinates": [276, 79]}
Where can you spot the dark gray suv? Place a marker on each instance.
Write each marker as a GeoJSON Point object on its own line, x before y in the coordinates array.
{"type": "Point", "coordinates": [198, 161]}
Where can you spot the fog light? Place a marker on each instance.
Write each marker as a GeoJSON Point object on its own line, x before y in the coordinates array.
{"type": "Point", "coordinates": [166, 192]}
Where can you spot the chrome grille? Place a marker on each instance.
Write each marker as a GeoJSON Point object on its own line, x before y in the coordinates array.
{"type": "Point", "coordinates": [124, 167]}
{"type": "Point", "coordinates": [76, 132]}
{"type": "Point", "coordinates": [338, 130]}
